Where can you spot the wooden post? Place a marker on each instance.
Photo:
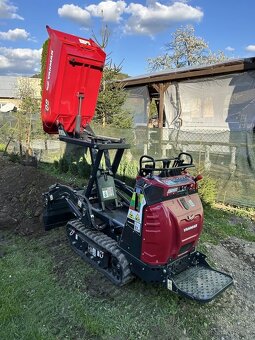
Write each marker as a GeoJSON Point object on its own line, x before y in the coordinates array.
{"type": "Point", "coordinates": [161, 88]}
{"type": "Point", "coordinates": [161, 105]}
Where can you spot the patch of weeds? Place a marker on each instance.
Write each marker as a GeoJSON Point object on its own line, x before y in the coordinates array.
{"type": "Point", "coordinates": [73, 168]}
{"type": "Point", "coordinates": [56, 164]}
{"type": "Point", "coordinates": [128, 171]}
{"type": "Point", "coordinates": [63, 165]}
{"type": "Point", "coordinates": [83, 168]}
{"type": "Point", "coordinates": [236, 210]}
{"type": "Point", "coordinates": [218, 226]}
{"type": "Point", "coordinates": [65, 178]}
{"type": "Point", "coordinates": [208, 189]}
{"type": "Point", "coordinates": [2, 147]}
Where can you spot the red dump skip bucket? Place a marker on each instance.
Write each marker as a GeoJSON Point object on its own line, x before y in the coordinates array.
{"type": "Point", "coordinates": [74, 67]}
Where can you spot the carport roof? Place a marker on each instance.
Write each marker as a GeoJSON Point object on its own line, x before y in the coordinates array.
{"type": "Point", "coordinates": [230, 66]}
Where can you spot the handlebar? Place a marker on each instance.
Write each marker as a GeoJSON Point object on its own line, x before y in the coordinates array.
{"type": "Point", "coordinates": [169, 167]}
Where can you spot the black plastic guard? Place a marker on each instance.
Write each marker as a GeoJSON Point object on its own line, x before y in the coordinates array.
{"type": "Point", "coordinates": [60, 206]}
{"type": "Point", "coordinates": [56, 214]}
{"type": "Point", "coordinates": [199, 281]}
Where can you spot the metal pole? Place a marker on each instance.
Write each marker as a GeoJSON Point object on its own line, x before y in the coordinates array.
{"type": "Point", "coordinates": [77, 131]}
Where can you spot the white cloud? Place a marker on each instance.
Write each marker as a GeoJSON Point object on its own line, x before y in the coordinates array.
{"type": "Point", "coordinates": [148, 20]}
{"type": "Point", "coordinates": [4, 62]}
{"type": "Point", "coordinates": [250, 48]}
{"type": "Point", "coordinates": [230, 49]}
{"type": "Point", "coordinates": [156, 17]}
{"type": "Point", "coordinates": [19, 61]}
{"type": "Point", "coordinates": [75, 13]}
{"type": "Point", "coordinates": [110, 11]}
{"type": "Point", "coordinates": [16, 34]}
{"type": "Point", "coordinates": [8, 11]}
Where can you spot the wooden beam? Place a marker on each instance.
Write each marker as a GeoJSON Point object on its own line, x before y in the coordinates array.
{"type": "Point", "coordinates": [182, 74]}
{"type": "Point", "coordinates": [156, 87]}
{"type": "Point", "coordinates": [161, 89]}
{"type": "Point", "coordinates": [161, 105]}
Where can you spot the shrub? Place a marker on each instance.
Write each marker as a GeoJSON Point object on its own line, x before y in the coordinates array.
{"type": "Point", "coordinates": [63, 165]}
{"type": "Point", "coordinates": [83, 168]}
{"type": "Point", "coordinates": [73, 168]}
{"type": "Point", "coordinates": [208, 189]}
{"type": "Point", "coordinates": [56, 164]}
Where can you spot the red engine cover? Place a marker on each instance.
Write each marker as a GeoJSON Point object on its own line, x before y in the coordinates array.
{"type": "Point", "coordinates": [171, 228]}
{"type": "Point", "coordinates": [74, 66]}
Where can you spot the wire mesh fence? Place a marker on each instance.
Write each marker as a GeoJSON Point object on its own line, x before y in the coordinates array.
{"type": "Point", "coordinates": [228, 157]}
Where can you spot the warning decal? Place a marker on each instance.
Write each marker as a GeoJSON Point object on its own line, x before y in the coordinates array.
{"type": "Point", "coordinates": [135, 212]}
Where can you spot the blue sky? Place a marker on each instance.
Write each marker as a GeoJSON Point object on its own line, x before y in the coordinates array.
{"type": "Point", "coordinates": [139, 29]}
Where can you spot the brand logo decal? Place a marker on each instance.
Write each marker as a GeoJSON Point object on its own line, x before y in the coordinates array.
{"type": "Point", "coordinates": [47, 105]}
{"type": "Point", "coordinates": [49, 71]}
{"type": "Point", "coordinates": [193, 226]}
{"type": "Point", "coordinates": [190, 217]}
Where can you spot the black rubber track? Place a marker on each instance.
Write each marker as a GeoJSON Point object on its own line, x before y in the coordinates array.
{"type": "Point", "coordinates": [118, 271]}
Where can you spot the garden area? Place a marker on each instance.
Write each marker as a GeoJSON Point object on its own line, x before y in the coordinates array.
{"type": "Point", "coordinates": [47, 292]}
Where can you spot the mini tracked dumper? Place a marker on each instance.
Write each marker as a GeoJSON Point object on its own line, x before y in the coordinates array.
{"type": "Point", "coordinates": [150, 231]}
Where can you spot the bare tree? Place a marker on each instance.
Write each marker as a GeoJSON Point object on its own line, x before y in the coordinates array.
{"type": "Point", "coordinates": [103, 38]}
{"type": "Point", "coordinates": [29, 105]}
{"type": "Point", "coordinates": [111, 98]}
{"type": "Point", "coordinates": [185, 49]}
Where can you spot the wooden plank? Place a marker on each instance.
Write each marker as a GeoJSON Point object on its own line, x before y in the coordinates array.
{"type": "Point", "coordinates": [207, 71]}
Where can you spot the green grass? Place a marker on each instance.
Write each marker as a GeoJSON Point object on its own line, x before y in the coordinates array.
{"type": "Point", "coordinates": [218, 224]}
{"type": "Point", "coordinates": [50, 169]}
{"type": "Point", "coordinates": [47, 292]}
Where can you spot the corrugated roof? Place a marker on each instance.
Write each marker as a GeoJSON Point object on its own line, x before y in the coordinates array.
{"type": "Point", "coordinates": [8, 87]}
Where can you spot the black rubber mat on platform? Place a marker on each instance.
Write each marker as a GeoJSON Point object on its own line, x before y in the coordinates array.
{"type": "Point", "coordinates": [201, 283]}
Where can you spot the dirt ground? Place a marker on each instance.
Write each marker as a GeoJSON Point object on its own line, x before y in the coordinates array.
{"type": "Point", "coordinates": [21, 201]}
{"type": "Point", "coordinates": [232, 315]}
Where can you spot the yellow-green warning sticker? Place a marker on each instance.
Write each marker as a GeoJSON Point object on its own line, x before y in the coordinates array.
{"type": "Point", "coordinates": [137, 218]}
{"type": "Point", "coordinates": [130, 214]}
